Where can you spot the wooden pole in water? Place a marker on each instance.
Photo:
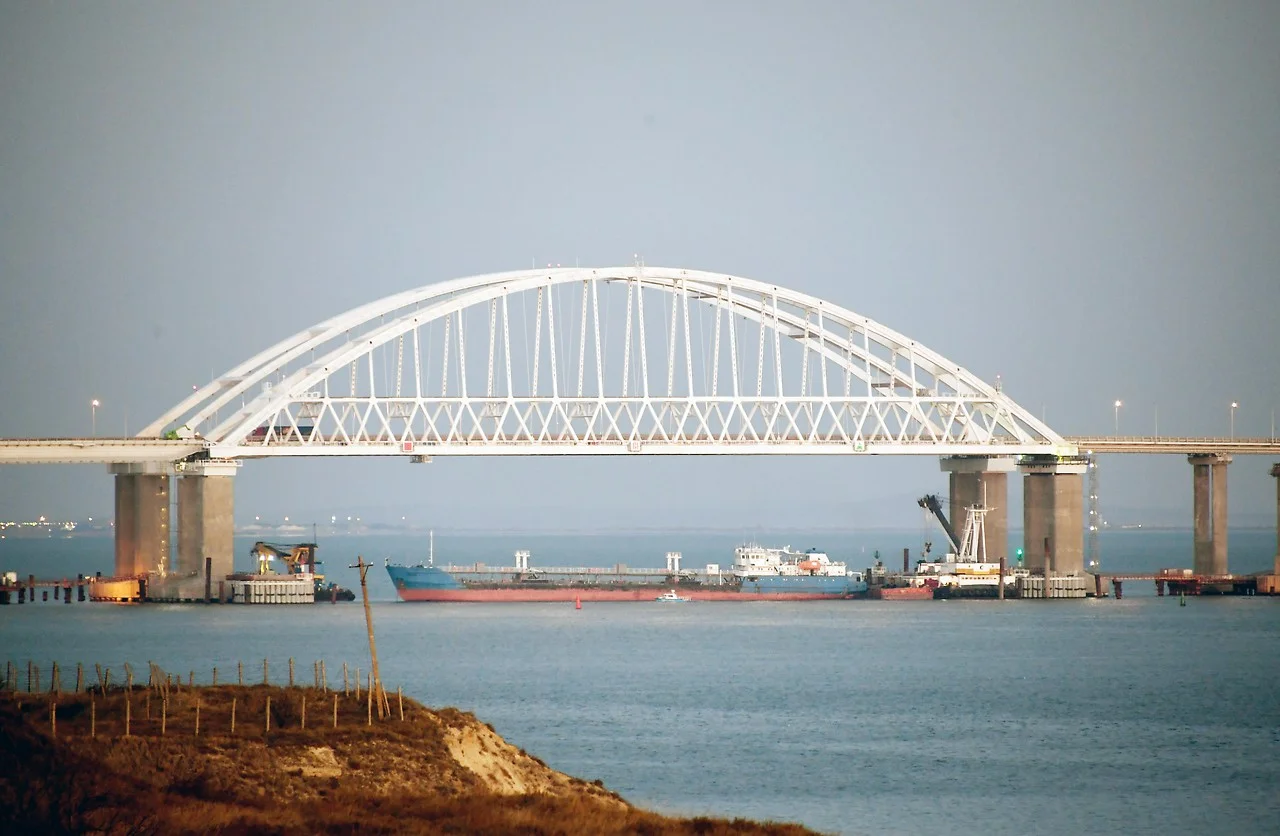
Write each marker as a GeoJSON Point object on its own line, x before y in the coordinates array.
{"type": "Point", "coordinates": [240, 672]}
{"type": "Point", "coordinates": [79, 677]}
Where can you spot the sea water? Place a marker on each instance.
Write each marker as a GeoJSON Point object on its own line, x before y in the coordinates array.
{"type": "Point", "coordinates": [1133, 716]}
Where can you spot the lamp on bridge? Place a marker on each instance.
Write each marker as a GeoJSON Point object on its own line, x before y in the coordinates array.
{"type": "Point", "coordinates": [93, 416]}
{"type": "Point", "coordinates": [1118, 405]}
{"type": "Point", "coordinates": [1234, 406]}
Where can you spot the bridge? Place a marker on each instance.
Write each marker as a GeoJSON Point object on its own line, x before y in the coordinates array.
{"type": "Point", "coordinates": [625, 361]}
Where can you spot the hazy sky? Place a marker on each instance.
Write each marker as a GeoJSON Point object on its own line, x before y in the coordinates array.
{"type": "Point", "coordinates": [1081, 197]}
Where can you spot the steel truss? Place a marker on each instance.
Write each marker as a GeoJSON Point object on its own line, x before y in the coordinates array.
{"type": "Point", "coordinates": [626, 360]}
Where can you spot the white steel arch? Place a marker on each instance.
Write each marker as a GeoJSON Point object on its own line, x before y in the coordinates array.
{"type": "Point", "coordinates": [626, 360]}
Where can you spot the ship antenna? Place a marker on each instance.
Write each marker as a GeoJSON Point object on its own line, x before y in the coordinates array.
{"type": "Point", "coordinates": [431, 547]}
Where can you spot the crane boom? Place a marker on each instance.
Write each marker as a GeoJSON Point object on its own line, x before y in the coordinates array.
{"type": "Point", "coordinates": [931, 503]}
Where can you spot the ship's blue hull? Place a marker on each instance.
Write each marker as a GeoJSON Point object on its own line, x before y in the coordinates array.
{"type": "Point", "coordinates": [429, 583]}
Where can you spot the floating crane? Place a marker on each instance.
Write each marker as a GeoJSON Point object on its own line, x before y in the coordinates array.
{"type": "Point", "coordinates": [297, 558]}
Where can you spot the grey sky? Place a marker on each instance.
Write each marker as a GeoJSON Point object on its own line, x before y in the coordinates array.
{"type": "Point", "coordinates": [1083, 198]}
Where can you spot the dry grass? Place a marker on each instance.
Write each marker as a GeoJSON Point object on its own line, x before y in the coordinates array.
{"type": "Point", "coordinates": [392, 777]}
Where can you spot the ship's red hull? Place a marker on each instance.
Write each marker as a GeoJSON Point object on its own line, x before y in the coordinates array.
{"type": "Point", "coordinates": [562, 594]}
{"type": "Point", "coordinates": [902, 593]}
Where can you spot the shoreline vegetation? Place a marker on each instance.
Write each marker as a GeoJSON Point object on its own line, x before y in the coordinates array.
{"type": "Point", "coordinates": [134, 755]}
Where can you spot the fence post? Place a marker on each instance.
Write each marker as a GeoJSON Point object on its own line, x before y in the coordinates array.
{"type": "Point", "coordinates": [268, 726]}
{"type": "Point", "coordinates": [128, 712]}
{"type": "Point", "coordinates": [264, 671]}
{"type": "Point", "coordinates": [240, 672]}
{"type": "Point", "coordinates": [400, 699]}
{"type": "Point", "coordinates": [290, 671]}
{"type": "Point", "coordinates": [197, 716]}
{"type": "Point", "coordinates": [53, 719]}
{"type": "Point", "coordinates": [215, 676]}
{"type": "Point", "coordinates": [335, 711]}
{"type": "Point", "coordinates": [233, 716]}
{"type": "Point", "coordinates": [304, 711]}
{"type": "Point", "coordinates": [93, 716]}
{"type": "Point", "coordinates": [79, 677]}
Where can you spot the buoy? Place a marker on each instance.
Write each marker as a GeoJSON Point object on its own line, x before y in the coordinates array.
{"type": "Point", "coordinates": [577, 602]}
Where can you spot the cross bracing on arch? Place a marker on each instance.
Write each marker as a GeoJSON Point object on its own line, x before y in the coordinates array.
{"type": "Point", "coordinates": [600, 361]}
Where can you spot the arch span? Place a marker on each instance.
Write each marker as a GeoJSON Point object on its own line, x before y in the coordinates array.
{"type": "Point", "coordinates": [626, 360]}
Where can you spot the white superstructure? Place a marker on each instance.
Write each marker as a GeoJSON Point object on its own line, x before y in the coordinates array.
{"type": "Point", "coordinates": [760, 560]}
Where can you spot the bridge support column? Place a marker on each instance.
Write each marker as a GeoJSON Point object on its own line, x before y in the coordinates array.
{"type": "Point", "coordinates": [1053, 510]}
{"type": "Point", "coordinates": [1209, 508]}
{"type": "Point", "coordinates": [206, 519]}
{"type": "Point", "coordinates": [1275, 471]}
{"type": "Point", "coordinates": [981, 480]}
{"type": "Point", "coordinates": [142, 518]}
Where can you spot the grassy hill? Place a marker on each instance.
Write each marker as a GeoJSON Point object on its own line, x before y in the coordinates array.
{"type": "Point", "coordinates": [74, 769]}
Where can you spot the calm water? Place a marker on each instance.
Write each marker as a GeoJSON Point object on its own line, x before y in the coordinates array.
{"type": "Point", "coordinates": [1134, 716]}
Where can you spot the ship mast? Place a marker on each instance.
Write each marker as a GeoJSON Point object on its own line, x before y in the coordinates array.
{"type": "Point", "coordinates": [431, 547]}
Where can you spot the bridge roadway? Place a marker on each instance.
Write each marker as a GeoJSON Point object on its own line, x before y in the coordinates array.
{"type": "Point", "coordinates": [132, 450]}
{"type": "Point", "coordinates": [1175, 445]}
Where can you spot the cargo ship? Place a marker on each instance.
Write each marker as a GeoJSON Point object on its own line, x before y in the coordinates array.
{"type": "Point", "coordinates": [757, 574]}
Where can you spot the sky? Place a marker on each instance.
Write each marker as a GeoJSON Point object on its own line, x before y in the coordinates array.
{"type": "Point", "coordinates": [1083, 198]}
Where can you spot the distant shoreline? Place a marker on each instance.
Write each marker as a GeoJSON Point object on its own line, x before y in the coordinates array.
{"type": "Point", "coordinates": [306, 533]}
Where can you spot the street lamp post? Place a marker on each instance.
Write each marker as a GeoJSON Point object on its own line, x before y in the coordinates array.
{"type": "Point", "coordinates": [1234, 406]}
{"type": "Point", "coordinates": [1118, 405]}
{"type": "Point", "coordinates": [93, 416]}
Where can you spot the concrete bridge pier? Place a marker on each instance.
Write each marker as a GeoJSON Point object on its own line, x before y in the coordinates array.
{"type": "Point", "coordinates": [1053, 508]}
{"type": "Point", "coordinates": [206, 525]}
{"type": "Point", "coordinates": [206, 520]}
{"type": "Point", "coordinates": [1209, 506]}
{"type": "Point", "coordinates": [142, 518]}
{"type": "Point", "coordinates": [1275, 471]}
{"type": "Point", "coordinates": [981, 480]}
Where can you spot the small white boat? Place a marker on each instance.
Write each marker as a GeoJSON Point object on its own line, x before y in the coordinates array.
{"type": "Point", "coordinates": [671, 596]}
